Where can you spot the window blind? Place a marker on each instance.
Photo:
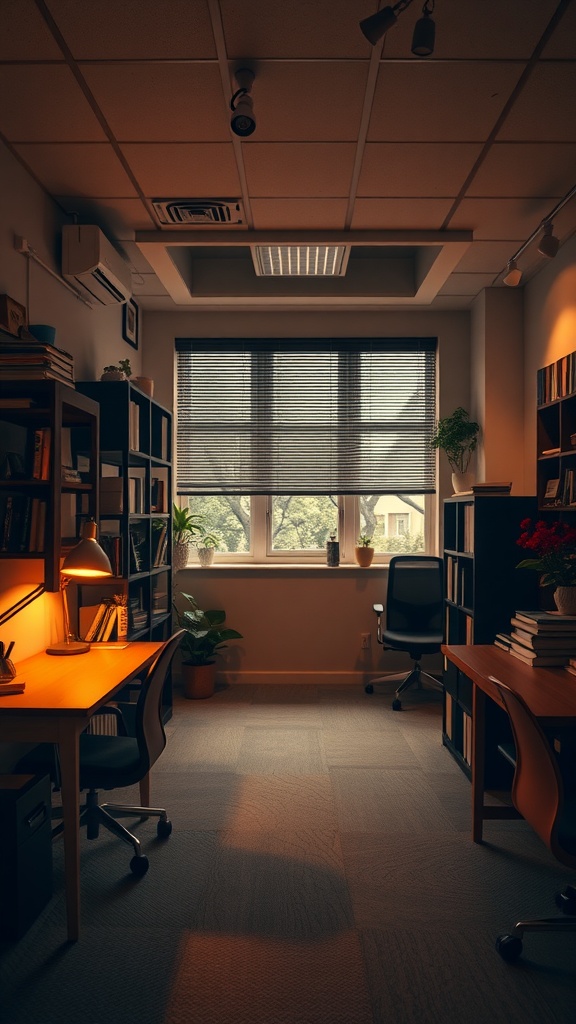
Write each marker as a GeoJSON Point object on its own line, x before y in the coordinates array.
{"type": "Point", "coordinates": [341, 416]}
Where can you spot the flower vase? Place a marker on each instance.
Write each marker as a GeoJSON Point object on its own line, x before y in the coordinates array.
{"type": "Point", "coordinates": [565, 600]}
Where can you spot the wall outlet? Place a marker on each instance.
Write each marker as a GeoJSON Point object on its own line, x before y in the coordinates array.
{"type": "Point", "coordinates": [364, 641]}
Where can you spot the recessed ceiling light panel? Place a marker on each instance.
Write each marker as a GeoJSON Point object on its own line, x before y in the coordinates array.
{"type": "Point", "coordinates": [300, 260]}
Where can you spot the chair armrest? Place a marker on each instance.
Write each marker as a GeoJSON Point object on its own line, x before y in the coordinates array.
{"type": "Point", "coordinates": [379, 609]}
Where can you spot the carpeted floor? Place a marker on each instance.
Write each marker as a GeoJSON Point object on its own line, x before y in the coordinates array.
{"type": "Point", "coordinates": [320, 871]}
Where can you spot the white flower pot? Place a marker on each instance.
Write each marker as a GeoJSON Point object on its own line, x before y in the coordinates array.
{"type": "Point", "coordinates": [462, 482]}
{"type": "Point", "coordinates": [205, 556]}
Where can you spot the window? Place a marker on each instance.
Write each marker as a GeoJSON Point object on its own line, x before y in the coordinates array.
{"type": "Point", "coordinates": [281, 442]}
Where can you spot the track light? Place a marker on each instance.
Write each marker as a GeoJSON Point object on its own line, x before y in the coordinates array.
{"type": "Point", "coordinates": [378, 24]}
{"type": "Point", "coordinates": [243, 121]}
{"type": "Point", "coordinates": [513, 275]}
{"type": "Point", "coordinates": [424, 32]}
{"type": "Point", "coordinates": [548, 243]}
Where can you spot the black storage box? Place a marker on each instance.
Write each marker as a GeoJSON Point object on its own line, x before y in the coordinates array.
{"type": "Point", "coordinates": [25, 851]}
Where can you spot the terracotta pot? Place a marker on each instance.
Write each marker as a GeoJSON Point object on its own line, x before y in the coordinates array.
{"type": "Point", "coordinates": [146, 384]}
{"type": "Point", "coordinates": [364, 556]}
{"type": "Point", "coordinates": [180, 556]}
{"type": "Point", "coordinates": [565, 600]}
{"type": "Point", "coordinates": [199, 680]}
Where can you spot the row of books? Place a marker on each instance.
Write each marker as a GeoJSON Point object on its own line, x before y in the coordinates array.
{"type": "Point", "coordinates": [22, 523]}
{"type": "Point", "coordinates": [31, 360]}
{"type": "Point", "coordinates": [26, 453]}
{"type": "Point", "coordinates": [540, 638]}
{"type": "Point", "coordinates": [110, 621]}
{"type": "Point", "coordinates": [112, 545]}
{"type": "Point", "coordinates": [557, 379]}
{"type": "Point", "coordinates": [134, 427]}
{"type": "Point", "coordinates": [561, 490]}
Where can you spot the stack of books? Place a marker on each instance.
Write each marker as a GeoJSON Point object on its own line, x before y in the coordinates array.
{"type": "Point", "coordinates": [489, 488]}
{"type": "Point", "coordinates": [31, 360]}
{"type": "Point", "coordinates": [540, 638]}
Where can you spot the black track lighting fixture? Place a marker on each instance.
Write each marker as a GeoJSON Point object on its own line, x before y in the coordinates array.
{"type": "Point", "coordinates": [243, 121]}
{"type": "Point", "coordinates": [548, 245]}
{"type": "Point", "coordinates": [376, 26]}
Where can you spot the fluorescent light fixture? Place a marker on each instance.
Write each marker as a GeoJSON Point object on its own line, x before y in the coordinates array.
{"type": "Point", "coordinates": [300, 260]}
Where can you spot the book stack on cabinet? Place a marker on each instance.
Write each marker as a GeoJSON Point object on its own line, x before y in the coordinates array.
{"type": "Point", "coordinates": [135, 513]}
{"type": "Point", "coordinates": [483, 589]}
{"type": "Point", "coordinates": [540, 638]}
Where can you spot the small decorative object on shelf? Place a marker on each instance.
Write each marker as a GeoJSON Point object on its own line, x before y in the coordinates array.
{"type": "Point", "coordinates": [364, 552]}
{"type": "Point", "coordinates": [457, 437]}
{"type": "Point", "coordinates": [119, 371]}
{"type": "Point", "coordinates": [146, 384]}
{"type": "Point", "coordinates": [333, 551]}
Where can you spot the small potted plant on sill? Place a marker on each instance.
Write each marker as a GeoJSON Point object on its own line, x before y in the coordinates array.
{"type": "Point", "coordinates": [117, 371]}
{"type": "Point", "coordinates": [364, 552]}
{"type": "Point", "coordinates": [457, 437]}
{"type": "Point", "coordinates": [186, 526]}
{"type": "Point", "coordinates": [205, 637]}
{"type": "Point", "coordinates": [206, 546]}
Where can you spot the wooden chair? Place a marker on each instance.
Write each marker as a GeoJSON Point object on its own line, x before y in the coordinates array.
{"type": "Point", "coordinates": [539, 794]}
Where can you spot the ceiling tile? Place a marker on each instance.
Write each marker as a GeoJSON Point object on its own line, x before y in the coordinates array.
{"type": "Point", "coordinates": [113, 214]}
{"type": "Point", "coordinates": [88, 169]}
{"type": "Point", "coordinates": [184, 170]}
{"type": "Point", "coordinates": [466, 284]}
{"type": "Point", "coordinates": [299, 214]}
{"type": "Point", "coordinates": [399, 214]}
{"type": "Point", "coordinates": [487, 257]}
{"type": "Point", "coordinates": [439, 102]}
{"type": "Point", "coordinates": [44, 103]}
{"type": "Point", "coordinates": [299, 169]}
{"type": "Point", "coordinates": [128, 31]}
{"type": "Point", "coordinates": [317, 101]}
{"type": "Point", "coordinates": [501, 218]}
{"type": "Point", "coordinates": [161, 102]}
{"type": "Point", "coordinates": [426, 170]}
{"type": "Point", "coordinates": [25, 35]}
{"type": "Point", "coordinates": [322, 29]}
{"type": "Point", "coordinates": [493, 29]}
{"type": "Point", "coordinates": [546, 107]}
{"type": "Point", "coordinates": [561, 45]}
{"type": "Point", "coordinates": [522, 169]}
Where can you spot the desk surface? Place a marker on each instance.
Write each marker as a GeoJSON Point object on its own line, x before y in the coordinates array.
{"type": "Point", "coordinates": [75, 684]}
{"type": "Point", "coordinates": [550, 693]}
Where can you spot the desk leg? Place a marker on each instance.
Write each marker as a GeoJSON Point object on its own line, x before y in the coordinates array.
{"type": "Point", "coordinates": [70, 782]}
{"type": "Point", "coordinates": [478, 759]}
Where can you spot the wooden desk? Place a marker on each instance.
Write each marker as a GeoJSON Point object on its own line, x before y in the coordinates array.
{"type": "Point", "coordinates": [62, 694]}
{"type": "Point", "coordinates": [550, 693]}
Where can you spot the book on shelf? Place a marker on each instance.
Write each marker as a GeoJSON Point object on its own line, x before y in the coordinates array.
{"type": "Point", "coordinates": [16, 403]}
{"type": "Point", "coordinates": [545, 642]}
{"type": "Point", "coordinates": [539, 660]}
{"type": "Point", "coordinates": [491, 488]}
{"type": "Point", "coordinates": [550, 451]}
{"type": "Point", "coordinates": [91, 632]}
{"type": "Point", "coordinates": [553, 652]}
{"type": "Point", "coordinates": [552, 620]}
{"type": "Point", "coordinates": [503, 640]}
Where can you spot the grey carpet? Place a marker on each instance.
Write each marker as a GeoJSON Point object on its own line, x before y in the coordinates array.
{"type": "Point", "coordinates": [320, 871]}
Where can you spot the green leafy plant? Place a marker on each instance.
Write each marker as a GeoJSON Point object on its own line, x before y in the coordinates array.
{"type": "Point", "coordinates": [208, 540]}
{"type": "Point", "coordinates": [185, 525]}
{"type": "Point", "coordinates": [457, 437]}
{"type": "Point", "coordinates": [364, 541]}
{"type": "Point", "coordinates": [205, 634]}
{"type": "Point", "coordinates": [123, 365]}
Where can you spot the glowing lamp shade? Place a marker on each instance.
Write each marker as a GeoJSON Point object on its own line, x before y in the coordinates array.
{"type": "Point", "coordinates": [513, 275]}
{"type": "Point", "coordinates": [86, 560]}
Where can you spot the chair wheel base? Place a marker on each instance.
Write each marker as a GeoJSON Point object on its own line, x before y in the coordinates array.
{"type": "Point", "coordinates": [164, 828]}
{"type": "Point", "coordinates": [396, 705]}
{"type": "Point", "coordinates": [368, 688]}
{"type": "Point", "coordinates": [139, 866]}
{"type": "Point", "coordinates": [509, 947]}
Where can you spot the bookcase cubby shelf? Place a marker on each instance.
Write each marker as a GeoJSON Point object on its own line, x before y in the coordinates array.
{"type": "Point", "coordinates": [135, 509]}
{"type": "Point", "coordinates": [483, 590]}
{"type": "Point", "coordinates": [556, 438]}
{"type": "Point", "coordinates": [49, 456]}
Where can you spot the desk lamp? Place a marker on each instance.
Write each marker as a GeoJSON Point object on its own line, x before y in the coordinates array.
{"type": "Point", "coordinates": [86, 560]}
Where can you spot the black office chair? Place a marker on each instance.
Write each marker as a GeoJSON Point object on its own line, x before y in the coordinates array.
{"type": "Point", "coordinates": [414, 616]}
{"type": "Point", "coordinates": [539, 794]}
{"type": "Point", "coordinates": [113, 762]}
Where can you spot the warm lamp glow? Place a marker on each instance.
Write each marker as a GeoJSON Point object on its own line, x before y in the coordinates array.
{"type": "Point", "coordinates": [85, 560]}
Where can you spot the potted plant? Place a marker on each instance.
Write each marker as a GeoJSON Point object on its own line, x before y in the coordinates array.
{"type": "Point", "coordinates": [206, 545]}
{"type": "Point", "coordinates": [204, 638]}
{"type": "Point", "coordinates": [552, 547]}
{"type": "Point", "coordinates": [117, 371]}
{"type": "Point", "coordinates": [364, 552]}
{"type": "Point", "coordinates": [457, 437]}
{"type": "Point", "coordinates": [185, 526]}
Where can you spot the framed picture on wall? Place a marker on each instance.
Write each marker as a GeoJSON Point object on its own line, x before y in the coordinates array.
{"type": "Point", "coordinates": [130, 322]}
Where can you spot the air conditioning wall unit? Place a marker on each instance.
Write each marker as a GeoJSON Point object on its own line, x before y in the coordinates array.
{"type": "Point", "coordinates": [93, 266]}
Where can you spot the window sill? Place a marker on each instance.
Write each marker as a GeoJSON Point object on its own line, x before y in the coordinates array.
{"type": "Point", "coordinates": [284, 567]}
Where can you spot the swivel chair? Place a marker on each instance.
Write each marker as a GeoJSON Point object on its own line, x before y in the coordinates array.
{"type": "Point", "coordinates": [539, 794]}
{"type": "Point", "coordinates": [414, 616]}
{"type": "Point", "coordinates": [113, 762]}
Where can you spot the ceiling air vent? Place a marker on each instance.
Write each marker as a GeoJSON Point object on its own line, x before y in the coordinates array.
{"type": "Point", "coordinates": [211, 212]}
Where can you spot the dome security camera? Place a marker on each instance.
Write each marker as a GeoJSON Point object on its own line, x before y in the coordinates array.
{"type": "Point", "coordinates": [243, 121]}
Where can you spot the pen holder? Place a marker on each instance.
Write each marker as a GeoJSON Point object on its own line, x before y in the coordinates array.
{"type": "Point", "coordinates": [7, 670]}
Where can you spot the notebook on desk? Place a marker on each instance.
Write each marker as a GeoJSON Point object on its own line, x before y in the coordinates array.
{"type": "Point", "coordinates": [114, 645]}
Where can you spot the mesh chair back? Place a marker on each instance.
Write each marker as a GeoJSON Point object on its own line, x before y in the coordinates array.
{"type": "Point", "coordinates": [415, 595]}
{"type": "Point", "coordinates": [149, 725]}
